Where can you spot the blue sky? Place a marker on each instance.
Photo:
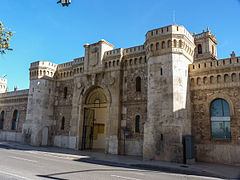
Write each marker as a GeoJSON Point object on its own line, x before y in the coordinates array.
{"type": "Point", "coordinates": [47, 31]}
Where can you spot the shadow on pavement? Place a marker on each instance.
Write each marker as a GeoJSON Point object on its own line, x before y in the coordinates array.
{"type": "Point", "coordinates": [51, 176]}
{"type": "Point", "coordinates": [91, 159]}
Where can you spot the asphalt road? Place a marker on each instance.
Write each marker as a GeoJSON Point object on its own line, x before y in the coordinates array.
{"type": "Point", "coordinates": [17, 164]}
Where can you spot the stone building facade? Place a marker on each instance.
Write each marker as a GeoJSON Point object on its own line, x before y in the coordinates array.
{"type": "Point", "coordinates": [138, 101]}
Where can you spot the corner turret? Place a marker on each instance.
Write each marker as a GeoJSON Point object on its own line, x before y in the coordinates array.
{"type": "Point", "coordinates": [42, 69]}
{"type": "Point", "coordinates": [39, 116]}
{"type": "Point", "coordinates": [3, 85]}
{"type": "Point", "coordinates": [206, 46]}
{"type": "Point", "coordinates": [169, 52]}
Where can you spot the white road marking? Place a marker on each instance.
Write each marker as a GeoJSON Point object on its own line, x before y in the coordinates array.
{"type": "Point", "coordinates": [14, 175]}
{"type": "Point", "coordinates": [122, 177]}
{"type": "Point", "coordinates": [14, 157]}
{"type": "Point", "coordinates": [51, 154]}
{"type": "Point", "coordinates": [141, 174]}
{"type": "Point", "coordinates": [59, 155]}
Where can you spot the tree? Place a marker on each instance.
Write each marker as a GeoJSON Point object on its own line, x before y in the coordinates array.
{"type": "Point", "coordinates": [5, 37]}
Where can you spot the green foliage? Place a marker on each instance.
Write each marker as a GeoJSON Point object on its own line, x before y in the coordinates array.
{"type": "Point", "coordinates": [5, 37]}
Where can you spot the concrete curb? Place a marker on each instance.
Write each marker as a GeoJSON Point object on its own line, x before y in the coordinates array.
{"type": "Point", "coordinates": [180, 170]}
{"type": "Point", "coordinates": [189, 171]}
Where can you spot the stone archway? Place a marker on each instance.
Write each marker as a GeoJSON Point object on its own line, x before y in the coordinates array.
{"type": "Point", "coordinates": [93, 130]}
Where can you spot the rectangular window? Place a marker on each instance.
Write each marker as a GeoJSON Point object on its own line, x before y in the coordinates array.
{"type": "Point", "coordinates": [221, 130]}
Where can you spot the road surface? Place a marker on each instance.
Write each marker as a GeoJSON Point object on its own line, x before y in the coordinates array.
{"type": "Point", "coordinates": [17, 164]}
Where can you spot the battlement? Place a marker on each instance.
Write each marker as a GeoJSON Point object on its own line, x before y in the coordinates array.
{"type": "Point", "coordinates": [133, 57]}
{"type": "Point", "coordinates": [204, 35]}
{"type": "Point", "coordinates": [79, 60]}
{"type": "Point", "coordinates": [46, 64]}
{"type": "Point", "coordinates": [215, 74]}
{"type": "Point", "coordinates": [134, 50]}
{"type": "Point", "coordinates": [65, 65]}
{"type": "Point", "coordinates": [114, 52]}
{"type": "Point", "coordinates": [167, 30]}
{"type": "Point", "coordinates": [15, 93]}
{"type": "Point", "coordinates": [41, 69]}
{"type": "Point", "coordinates": [214, 64]}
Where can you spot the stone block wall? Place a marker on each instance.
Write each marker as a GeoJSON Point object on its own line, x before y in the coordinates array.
{"type": "Point", "coordinates": [63, 106]}
{"type": "Point", "coordinates": [212, 80]}
{"type": "Point", "coordinates": [10, 102]}
{"type": "Point", "coordinates": [134, 103]}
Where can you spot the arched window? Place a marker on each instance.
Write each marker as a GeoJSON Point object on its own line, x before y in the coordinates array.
{"type": "Point", "coordinates": [226, 78]}
{"type": "Point", "coordinates": [220, 119]}
{"type": "Point", "coordinates": [14, 120]}
{"type": "Point", "coordinates": [180, 43]}
{"type": "Point", "coordinates": [65, 92]}
{"type": "Point", "coordinates": [157, 46]}
{"type": "Point", "coordinates": [169, 43]}
{"type": "Point", "coordinates": [63, 123]}
{"type": "Point", "coordinates": [2, 117]}
{"type": "Point", "coordinates": [138, 84]}
{"type": "Point", "coordinates": [213, 50]}
{"type": "Point", "coordinates": [199, 49]}
{"type": "Point", "coordinates": [175, 43]}
{"type": "Point", "coordinates": [198, 81]}
{"type": "Point", "coordinates": [219, 78]}
{"type": "Point", "coordinates": [211, 79]}
{"type": "Point", "coordinates": [137, 124]}
{"type": "Point", "coordinates": [205, 80]}
{"type": "Point", "coordinates": [192, 81]}
{"type": "Point", "coordinates": [234, 77]}
{"type": "Point", "coordinates": [163, 44]}
{"type": "Point", "coordinates": [151, 47]}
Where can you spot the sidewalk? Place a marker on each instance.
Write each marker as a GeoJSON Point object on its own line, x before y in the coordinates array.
{"type": "Point", "coordinates": [201, 169]}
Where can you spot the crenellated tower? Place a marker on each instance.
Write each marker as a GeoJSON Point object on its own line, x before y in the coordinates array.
{"type": "Point", "coordinates": [3, 85]}
{"type": "Point", "coordinates": [39, 116]}
{"type": "Point", "coordinates": [206, 46]}
{"type": "Point", "coordinates": [169, 52]}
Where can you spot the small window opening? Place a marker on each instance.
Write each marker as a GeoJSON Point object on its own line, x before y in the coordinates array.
{"type": "Point", "coordinates": [65, 92]}
{"type": "Point", "coordinates": [14, 120]}
{"type": "Point", "coordinates": [63, 123]}
{"type": "Point", "coordinates": [163, 44]}
{"type": "Point", "coordinates": [161, 137]}
{"type": "Point", "coordinates": [199, 49]}
{"type": "Point", "coordinates": [138, 84]}
{"type": "Point", "coordinates": [2, 117]}
{"type": "Point", "coordinates": [137, 124]}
